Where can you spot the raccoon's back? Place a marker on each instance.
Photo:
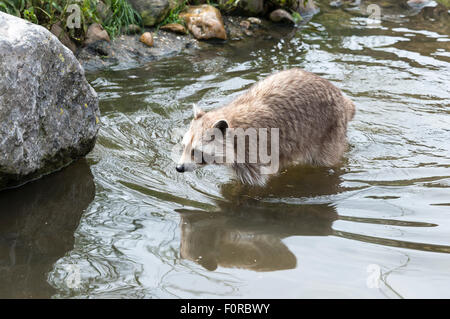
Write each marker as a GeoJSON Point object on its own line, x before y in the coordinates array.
{"type": "Point", "coordinates": [294, 99]}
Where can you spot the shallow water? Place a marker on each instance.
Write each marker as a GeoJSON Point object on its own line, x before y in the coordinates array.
{"type": "Point", "coordinates": [124, 223]}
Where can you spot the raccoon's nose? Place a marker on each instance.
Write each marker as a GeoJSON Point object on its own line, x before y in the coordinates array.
{"type": "Point", "coordinates": [180, 168]}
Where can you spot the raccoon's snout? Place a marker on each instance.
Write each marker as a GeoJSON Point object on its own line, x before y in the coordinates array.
{"type": "Point", "coordinates": [180, 168]}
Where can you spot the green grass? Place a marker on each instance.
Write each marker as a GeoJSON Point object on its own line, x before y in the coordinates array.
{"type": "Point", "coordinates": [122, 14]}
{"type": "Point", "coordinates": [49, 12]}
{"type": "Point", "coordinates": [174, 15]}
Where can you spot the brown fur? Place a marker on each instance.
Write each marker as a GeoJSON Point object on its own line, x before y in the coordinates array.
{"type": "Point", "coordinates": [311, 113]}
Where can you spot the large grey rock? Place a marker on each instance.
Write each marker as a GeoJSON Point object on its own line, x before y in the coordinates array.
{"type": "Point", "coordinates": [49, 113]}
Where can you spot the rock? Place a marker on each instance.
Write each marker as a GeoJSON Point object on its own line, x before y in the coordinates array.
{"type": "Point", "coordinates": [243, 7]}
{"type": "Point", "coordinates": [132, 29]}
{"type": "Point", "coordinates": [147, 38]}
{"type": "Point", "coordinates": [251, 7]}
{"type": "Point", "coordinates": [63, 36]}
{"type": "Point", "coordinates": [96, 33]}
{"type": "Point", "coordinates": [254, 20]}
{"type": "Point", "coordinates": [49, 113]}
{"type": "Point", "coordinates": [101, 48]}
{"type": "Point", "coordinates": [245, 24]}
{"type": "Point", "coordinates": [175, 28]}
{"type": "Point", "coordinates": [281, 15]}
{"type": "Point", "coordinates": [154, 11]}
{"type": "Point", "coordinates": [204, 22]}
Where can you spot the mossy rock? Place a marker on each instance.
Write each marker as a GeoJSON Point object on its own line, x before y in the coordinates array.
{"type": "Point", "coordinates": [154, 11]}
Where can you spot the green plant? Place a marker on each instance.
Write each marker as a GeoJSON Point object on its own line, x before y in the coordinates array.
{"type": "Point", "coordinates": [174, 15]}
{"type": "Point", "coordinates": [121, 15]}
{"type": "Point", "coordinates": [296, 16]}
{"type": "Point", "coordinates": [50, 12]}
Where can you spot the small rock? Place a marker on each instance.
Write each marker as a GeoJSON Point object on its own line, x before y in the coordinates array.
{"type": "Point", "coordinates": [254, 20]}
{"type": "Point", "coordinates": [245, 24]}
{"type": "Point", "coordinates": [63, 37]}
{"type": "Point", "coordinates": [147, 38]}
{"type": "Point", "coordinates": [132, 29]}
{"type": "Point", "coordinates": [174, 27]}
{"type": "Point", "coordinates": [96, 33]}
{"type": "Point", "coordinates": [205, 22]}
{"type": "Point", "coordinates": [281, 15]}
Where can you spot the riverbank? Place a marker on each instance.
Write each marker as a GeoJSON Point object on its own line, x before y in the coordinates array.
{"type": "Point", "coordinates": [127, 51]}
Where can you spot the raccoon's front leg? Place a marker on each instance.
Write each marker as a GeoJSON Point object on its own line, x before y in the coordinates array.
{"type": "Point", "coordinates": [249, 174]}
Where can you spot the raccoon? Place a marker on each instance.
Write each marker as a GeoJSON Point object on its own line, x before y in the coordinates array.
{"type": "Point", "coordinates": [307, 115]}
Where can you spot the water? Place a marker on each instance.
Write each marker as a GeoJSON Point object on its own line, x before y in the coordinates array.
{"type": "Point", "coordinates": [123, 223]}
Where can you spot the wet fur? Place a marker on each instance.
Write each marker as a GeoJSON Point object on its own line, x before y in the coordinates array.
{"type": "Point", "coordinates": [311, 113]}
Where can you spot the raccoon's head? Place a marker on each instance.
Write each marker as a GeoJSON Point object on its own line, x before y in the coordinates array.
{"type": "Point", "coordinates": [203, 143]}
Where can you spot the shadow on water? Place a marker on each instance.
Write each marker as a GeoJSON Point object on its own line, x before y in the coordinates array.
{"type": "Point", "coordinates": [245, 232]}
{"type": "Point", "coordinates": [37, 225]}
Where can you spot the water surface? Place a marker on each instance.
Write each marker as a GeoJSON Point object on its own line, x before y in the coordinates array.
{"type": "Point", "coordinates": [312, 232]}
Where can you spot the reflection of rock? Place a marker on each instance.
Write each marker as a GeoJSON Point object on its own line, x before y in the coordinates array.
{"type": "Point", "coordinates": [247, 233]}
{"type": "Point", "coordinates": [37, 223]}
{"type": "Point", "coordinates": [204, 22]}
{"type": "Point", "coordinates": [243, 7]}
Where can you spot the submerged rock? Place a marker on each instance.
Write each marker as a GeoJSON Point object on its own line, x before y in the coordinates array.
{"type": "Point", "coordinates": [49, 113]}
{"type": "Point", "coordinates": [204, 22]}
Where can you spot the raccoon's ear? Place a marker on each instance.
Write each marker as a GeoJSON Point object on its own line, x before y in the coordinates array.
{"type": "Point", "coordinates": [198, 113]}
{"type": "Point", "coordinates": [221, 125]}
